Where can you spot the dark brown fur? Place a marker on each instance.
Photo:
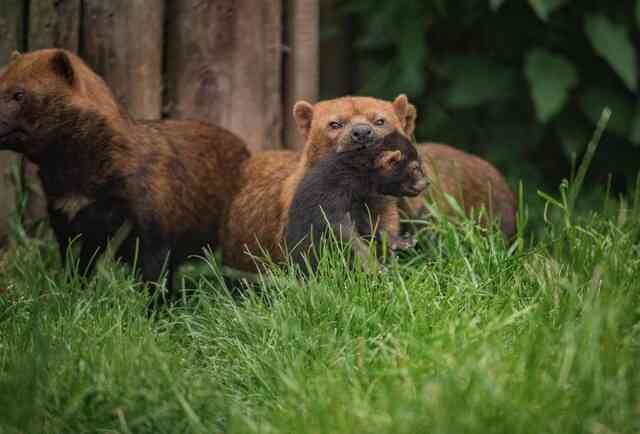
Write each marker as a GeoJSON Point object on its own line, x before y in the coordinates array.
{"type": "Point", "coordinates": [99, 167]}
{"type": "Point", "coordinates": [333, 193]}
{"type": "Point", "coordinates": [472, 181]}
{"type": "Point", "coordinates": [257, 216]}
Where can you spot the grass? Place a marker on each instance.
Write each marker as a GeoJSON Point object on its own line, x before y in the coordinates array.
{"type": "Point", "coordinates": [465, 334]}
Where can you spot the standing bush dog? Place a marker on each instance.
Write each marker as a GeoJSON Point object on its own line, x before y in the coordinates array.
{"type": "Point", "coordinates": [473, 182]}
{"type": "Point", "coordinates": [257, 217]}
{"type": "Point", "coordinates": [333, 195]}
{"type": "Point", "coordinates": [100, 168]}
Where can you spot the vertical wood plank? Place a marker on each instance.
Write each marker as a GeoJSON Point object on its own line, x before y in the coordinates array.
{"type": "Point", "coordinates": [256, 102]}
{"type": "Point", "coordinates": [54, 23]}
{"type": "Point", "coordinates": [122, 40]}
{"type": "Point", "coordinates": [301, 60]}
{"type": "Point", "coordinates": [336, 68]}
{"type": "Point", "coordinates": [12, 30]}
{"type": "Point", "coordinates": [199, 59]}
{"type": "Point", "coordinates": [223, 66]}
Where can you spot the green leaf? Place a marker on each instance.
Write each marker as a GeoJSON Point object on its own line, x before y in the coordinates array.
{"type": "Point", "coordinates": [622, 107]}
{"type": "Point", "coordinates": [638, 12]}
{"type": "Point", "coordinates": [476, 81]}
{"type": "Point", "coordinates": [544, 8]}
{"type": "Point", "coordinates": [611, 42]}
{"type": "Point", "coordinates": [550, 78]}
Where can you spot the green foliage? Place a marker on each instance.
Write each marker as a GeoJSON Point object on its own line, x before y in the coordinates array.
{"type": "Point", "coordinates": [594, 99]}
{"type": "Point", "coordinates": [549, 95]}
{"type": "Point", "coordinates": [611, 41]}
{"type": "Point", "coordinates": [521, 83]}
{"type": "Point", "coordinates": [544, 8]}
{"type": "Point", "coordinates": [475, 81]}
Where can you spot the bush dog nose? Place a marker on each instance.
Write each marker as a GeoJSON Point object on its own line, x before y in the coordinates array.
{"type": "Point", "coordinates": [361, 133]}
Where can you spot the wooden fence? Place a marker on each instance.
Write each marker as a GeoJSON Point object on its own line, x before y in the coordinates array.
{"type": "Point", "coordinates": [237, 63]}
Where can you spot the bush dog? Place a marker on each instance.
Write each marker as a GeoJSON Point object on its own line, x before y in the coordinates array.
{"type": "Point", "coordinates": [100, 168]}
{"type": "Point", "coordinates": [472, 181]}
{"type": "Point", "coordinates": [333, 193]}
{"type": "Point", "coordinates": [257, 217]}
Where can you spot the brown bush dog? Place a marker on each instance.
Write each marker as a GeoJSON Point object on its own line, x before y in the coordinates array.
{"type": "Point", "coordinates": [257, 216]}
{"type": "Point", "coordinates": [472, 181]}
{"type": "Point", "coordinates": [330, 196]}
{"type": "Point", "coordinates": [99, 168]}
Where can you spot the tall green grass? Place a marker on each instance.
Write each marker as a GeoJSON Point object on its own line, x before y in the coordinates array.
{"type": "Point", "coordinates": [465, 334]}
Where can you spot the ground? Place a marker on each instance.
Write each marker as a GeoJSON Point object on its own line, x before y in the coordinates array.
{"type": "Point", "coordinates": [466, 334]}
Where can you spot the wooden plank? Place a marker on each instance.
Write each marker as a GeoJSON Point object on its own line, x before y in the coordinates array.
{"type": "Point", "coordinates": [54, 23]}
{"type": "Point", "coordinates": [12, 31]}
{"type": "Point", "coordinates": [223, 66]}
{"type": "Point", "coordinates": [301, 61]}
{"type": "Point", "coordinates": [256, 101]}
{"type": "Point", "coordinates": [122, 40]}
{"type": "Point", "coordinates": [336, 68]}
{"type": "Point", "coordinates": [199, 59]}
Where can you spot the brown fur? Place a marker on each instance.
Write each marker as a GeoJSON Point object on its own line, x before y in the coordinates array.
{"type": "Point", "coordinates": [258, 214]}
{"type": "Point", "coordinates": [472, 181]}
{"type": "Point", "coordinates": [99, 167]}
{"type": "Point", "coordinates": [254, 221]}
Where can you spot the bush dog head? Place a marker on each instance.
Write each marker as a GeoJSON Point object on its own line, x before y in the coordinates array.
{"type": "Point", "coordinates": [398, 168]}
{"type": "Point", "coordinates": [37, 90]}
{"type": "Point", "coordinates": [350, 122]}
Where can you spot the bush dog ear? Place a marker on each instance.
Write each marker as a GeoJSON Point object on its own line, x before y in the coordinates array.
{"type": "Point", "coordinates": [14, 56]}
{"type": "Point", "coordinates": [303, 115]}
{"type": "Point", "coordinates": [61, 65]}
{"type": "Point", "coordinates": [410, 120]}
{"type": "Point", "coordinates": [389, 159]}
{"type": "Point", "coordinates": [406, 112]}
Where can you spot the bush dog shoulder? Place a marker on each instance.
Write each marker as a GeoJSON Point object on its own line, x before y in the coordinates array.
{"type": "Point", "coordinates": [100, 168]}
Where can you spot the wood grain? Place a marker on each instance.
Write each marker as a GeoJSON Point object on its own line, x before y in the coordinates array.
{"type": "Point", "coordinates": [123, 42]}
{"type": "Point", "coordinates": [223, 66]}
{"type": "Point", "coordinates": [301, 70]}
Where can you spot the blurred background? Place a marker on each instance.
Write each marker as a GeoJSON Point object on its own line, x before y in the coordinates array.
{"type": "Point", "coordinates": [520, 83]}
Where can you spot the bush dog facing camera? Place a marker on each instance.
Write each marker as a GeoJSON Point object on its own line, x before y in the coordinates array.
{"type": "Point", "coordinates": [257, 217]}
